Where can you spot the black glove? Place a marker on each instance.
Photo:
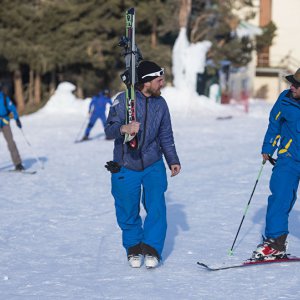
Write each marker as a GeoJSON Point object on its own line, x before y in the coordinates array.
{"type": "Point", "coordinates": [19, 124]}
{"type": "Point", "coordinates": [113, 167]}
{"type": "Point", "coordinates": [272, 160]}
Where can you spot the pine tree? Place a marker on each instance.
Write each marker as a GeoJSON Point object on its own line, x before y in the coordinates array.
{"type": "Point", "coordinates": [78, 40]}
{"type": "Point", "coordinates": [216, 21]}
{"type": "Point", "coordinates": [15, 18]}
{"type": "Point", "coordinates": [266, 39]}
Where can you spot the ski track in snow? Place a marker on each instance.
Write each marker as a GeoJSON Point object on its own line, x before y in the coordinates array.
{"type": "Point", "coordinates": [58, 233]}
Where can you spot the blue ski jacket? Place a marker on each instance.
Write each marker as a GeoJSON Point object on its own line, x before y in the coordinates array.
{"type": "Point", "coordinates": [98, 104]}
{"type": "Point", "coordinates": [284, 127]}
{"type": "Point", "coordinates": [155, 136]}
{"type": "Point", "coordinates": [6, 107]}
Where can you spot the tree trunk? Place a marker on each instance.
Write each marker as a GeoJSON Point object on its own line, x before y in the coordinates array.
{"type": "Point", "coordinates": [185, 9]}
{"type": "Point", "coordinates": [30, 87]}
{"type": "Point", "coordinates": [52, 85]}
{"type": "Point", "coordinates": [79, 91]}
{"type": "Point", "coordinates": [37, 89]}
{"type": "Point", "coordinates": [18, 84]}
{"type": "Point", "coordinates": [154, 35]}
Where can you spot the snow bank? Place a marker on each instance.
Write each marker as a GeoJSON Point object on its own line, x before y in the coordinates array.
{"type": "Point", "coordinates": [187, 102]}
{"type": "Point", "coordinates": [183, 101]}
{"type": "Point", "coordinates": [63, 101]}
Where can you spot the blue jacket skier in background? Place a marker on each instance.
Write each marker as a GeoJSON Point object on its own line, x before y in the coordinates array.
{"type": "Point", "coordinates": [6, 108]}
{"type": "Point", "coordinates": [283, 129]}
{"type": "Point", "coordinates": [97, 111]}
{"type": "Point", "coordinates": [141, 171]}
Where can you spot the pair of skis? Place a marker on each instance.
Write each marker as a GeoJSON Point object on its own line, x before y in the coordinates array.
{"type": "Point", "coordinates": [248, 263]}
{"type": "Point", "coordinates": [132, 57]}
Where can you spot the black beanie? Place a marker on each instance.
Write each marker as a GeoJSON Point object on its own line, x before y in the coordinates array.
{"type": "Point", "coordinates": [148, 67]}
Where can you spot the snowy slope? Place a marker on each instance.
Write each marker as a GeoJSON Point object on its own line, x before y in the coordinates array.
{"type": "Point", "coordinates": [58, 233]}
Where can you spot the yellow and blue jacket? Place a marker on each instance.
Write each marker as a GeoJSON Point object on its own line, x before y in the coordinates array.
{"type": "Point", "coordinates": [284, 127]}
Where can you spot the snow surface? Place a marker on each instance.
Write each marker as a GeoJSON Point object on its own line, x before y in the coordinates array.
{"type": "Point", "coordinates": [58, 233]}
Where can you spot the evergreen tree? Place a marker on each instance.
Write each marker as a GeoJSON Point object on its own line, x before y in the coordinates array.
{"type": "Point", "coordinates": [15, 19]}
{"type": "Point", "coordinates": [157, 29]}
{"type": "Point", "coordinates": [78, 40]}
{"type": "Point", "coordinates": [266, 39]}
{"type": "Point", "coordinates": [216, 21]}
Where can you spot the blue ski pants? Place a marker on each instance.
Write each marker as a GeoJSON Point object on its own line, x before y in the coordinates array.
{"type": "Point", "coordinates": [127, 188]}
{"type": "Point", "coordinates": [283, 185]}
{"type": "Point", "coordinates": [93, 120]}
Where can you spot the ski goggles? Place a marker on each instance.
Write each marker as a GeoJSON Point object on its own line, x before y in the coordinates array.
{"type": "Point", "coordinates": [158, 73]}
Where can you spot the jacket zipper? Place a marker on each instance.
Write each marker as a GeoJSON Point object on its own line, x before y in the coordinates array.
{"type": "Point", "coordinates": [144, 134]}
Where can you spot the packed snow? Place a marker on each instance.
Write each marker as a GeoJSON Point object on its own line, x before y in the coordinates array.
{"type": "Point", "coordinates": [59, 237]}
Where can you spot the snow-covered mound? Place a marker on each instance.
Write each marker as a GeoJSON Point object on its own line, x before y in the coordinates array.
{"type": "Point", "coordinates": [187, 102]}
{"type": "Point", "coordinates": [64, 101]}
{"type": "Point", "coordinates": [182, 101]}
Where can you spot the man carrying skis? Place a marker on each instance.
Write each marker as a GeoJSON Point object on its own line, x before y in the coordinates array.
{"type": "Point", "coordinates": [7, 107]}
{"type": "Point", "coordinates": [97, 111]}
{"type": "Point", "coordinates": [142, 170]}
{"type": "Point", "coordinates": [284, 125]}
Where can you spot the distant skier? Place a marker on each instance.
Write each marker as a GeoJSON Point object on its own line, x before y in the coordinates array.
{"type": "Point", "coordinates": [284, 125]}
{"type": "Point", "coordinates": [142, 171]}
{"type": "Point", "coordinates": [6, 108]}
{"type": "Point", "coordinates": [97, 111]}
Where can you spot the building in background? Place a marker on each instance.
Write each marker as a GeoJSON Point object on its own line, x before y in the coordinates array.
{"type": "Point", "coordinates": [283, 57]}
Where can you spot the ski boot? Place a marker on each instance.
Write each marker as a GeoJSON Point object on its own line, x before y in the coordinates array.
{"type": "Point", "coordinates": [151, 256]}
{"type": "Point", "coordinates": [151, 261]}
{"type": "Point", "coordinates": [271, 249]}
{"type": "Point", "coordinates": [85, 138]}
{"type": "Point", "coordinates": [135, 256]}
{"type": "Point", "coordinates": [19, 167]}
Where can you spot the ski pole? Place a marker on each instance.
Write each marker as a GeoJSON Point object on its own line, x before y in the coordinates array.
{"type": "Point", "coordinates": [259, 174]}
{"type": "Point", "coordinates": [82, 127]}
{"type": "Point", "coordinates": [34, 154]}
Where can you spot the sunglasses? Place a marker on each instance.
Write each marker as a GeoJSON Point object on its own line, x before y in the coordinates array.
{"type": "Point", "coordinates": [296, 85]}
{"type": "Point", "coordinates": [158, 73]}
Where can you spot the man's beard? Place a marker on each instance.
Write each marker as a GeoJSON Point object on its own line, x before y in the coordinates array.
{"type": "Point", "coordinates": [154, 93]}
{"type": "Point", "coordinates": [296, 96]}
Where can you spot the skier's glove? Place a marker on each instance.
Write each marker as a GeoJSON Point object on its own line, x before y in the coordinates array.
{"type": "Point", "coordinates": [19, 124]}
{"type": "Point", "coordinates": [272, 160]}
{"type": "Point", "coordinates": [113, 167]}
